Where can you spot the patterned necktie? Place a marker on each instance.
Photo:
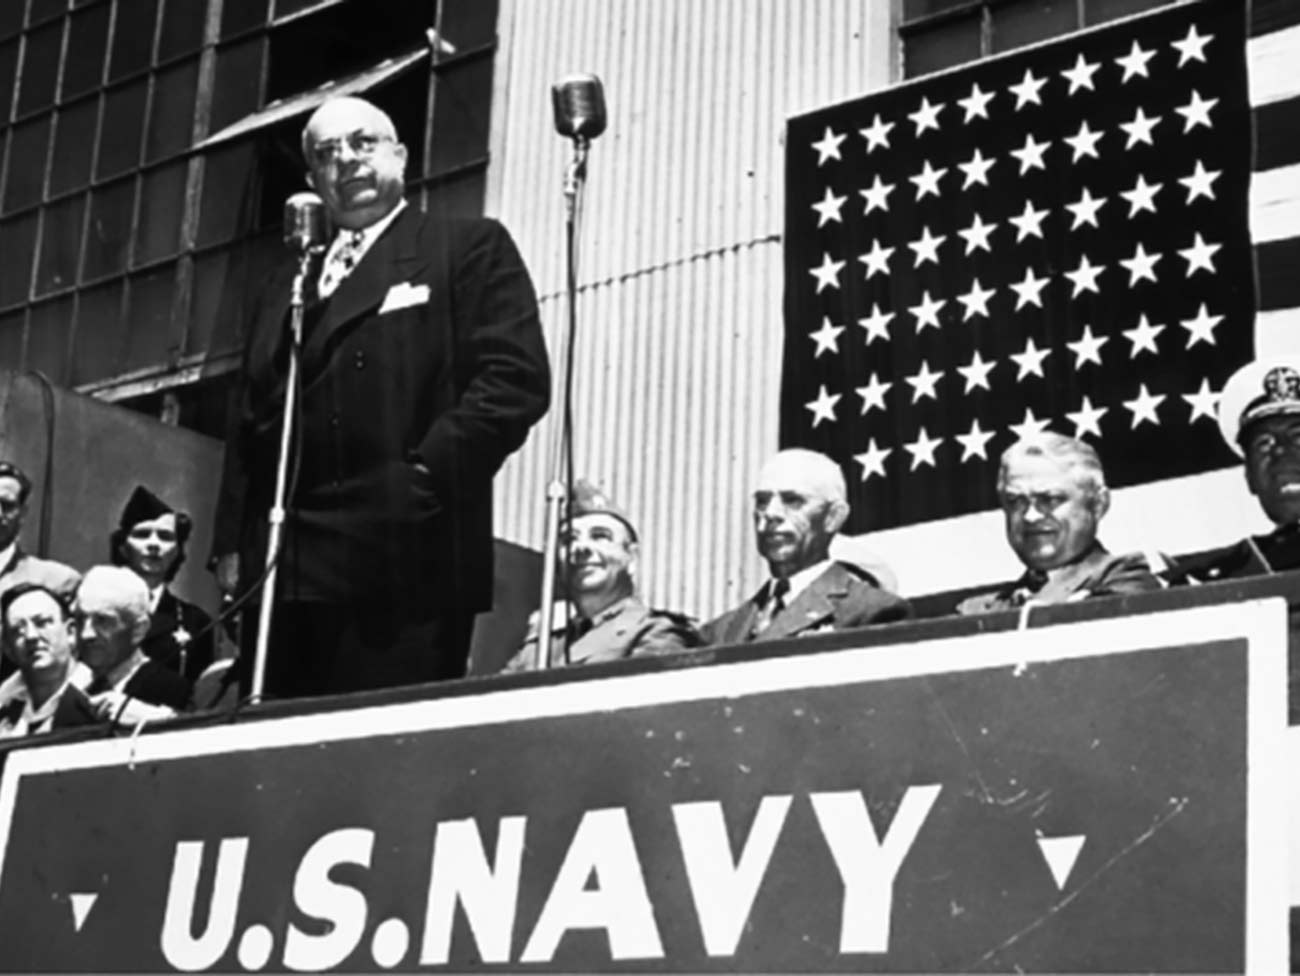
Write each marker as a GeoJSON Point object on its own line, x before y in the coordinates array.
{"type": "Point", "coordinates": [340, 262]}
{"type": "Point", "coordinates": [772, 605]}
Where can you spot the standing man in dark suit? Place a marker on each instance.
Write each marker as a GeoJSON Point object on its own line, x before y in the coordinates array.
{"type": "Point", "coordinates": [800, 503]}
{"type": "Point", "coordinates": [423, 368]}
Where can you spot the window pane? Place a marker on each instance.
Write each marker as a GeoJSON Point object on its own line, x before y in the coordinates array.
{"type": "Point", "coordinates": [459, 118]}
{"type": "Point", "coordinates": [229, 176]}
{"type": "Point", "coordinates": [74, 134]}
{"type": "Point", "coordinates": [182, 30]}
{"type": "Point", "coordinates": [119, 138]}
{"type": "Point", "coordinates": [11, 18]}
{"type": "Point", "coordinates": [48, 338]}
{"type": "Point", "coordinates": [108, 237]}
{"type": "Point", "coordinates": [40, 69]}
{"type": "Point", "coordinates": [26, 164]}
{"type": "Point", "coordinates": [172, 117]}
{"type": "Point", "coordinates": [219, 302]}
{"type": "Point", "coordinates": [162, 205]}
{"type": "Point", "coordinates": [238, 87]}
{"type": "Point", "coordinates": [1100, 11]}
{"type": "Point", "coordinates": [19, 238]}
{"type": "Point", "coordinates": [44, 9]}
{"type": "Point", "coordinates": [240, 15]}
{"type": "Point", "coordinates": [955, 42]}
{"type": "Point", "coordinates": [132, 37]}
{"type": "Point", "coordinates": [87, 45]}
{"type": "Point", "coordinates": [60, 242]}
{"type": "Point", "coordinates": [149, 334]}
{"type": "Point", "coordinates": [100, 335]}
{"type": "Point", "coordinates": [1018, 24]}
{"type": "Point", "coordinates": [11, 339]}
{"type": "Point", "coordinates": [8, 62]}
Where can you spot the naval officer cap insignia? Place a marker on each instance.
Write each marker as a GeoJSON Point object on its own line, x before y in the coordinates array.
{"type": "Point", "coordinates": [587, 499]}
{"type": "Point", "coordinates": [1264, 388]}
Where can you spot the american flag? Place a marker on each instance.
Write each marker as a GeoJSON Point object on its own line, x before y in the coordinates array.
{"type": "Point", "coordinates": [1054, 239]}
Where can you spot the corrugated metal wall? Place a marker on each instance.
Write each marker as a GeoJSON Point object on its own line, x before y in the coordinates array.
{"type": "Point", "coordinates": [678, 359]}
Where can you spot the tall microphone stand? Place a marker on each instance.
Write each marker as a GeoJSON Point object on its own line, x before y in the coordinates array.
{"type": "Point", "coordinates": [275, 518]}
{"type": "Point", "coordinates": [557, 490]}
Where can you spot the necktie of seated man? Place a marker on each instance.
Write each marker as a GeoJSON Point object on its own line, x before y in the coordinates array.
{"type": "Point", "coordinates": [340, 262]}
{"type": "Point", "coordinates": [773, 605]}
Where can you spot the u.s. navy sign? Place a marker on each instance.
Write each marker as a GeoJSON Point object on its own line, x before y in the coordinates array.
{"type": "Point", "coordinates": [1092, 796]}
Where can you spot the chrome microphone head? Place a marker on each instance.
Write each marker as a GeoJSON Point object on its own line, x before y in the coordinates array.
{"type": "Point", "coordinates": [579, 103]}
{"type": "Point", "coordinates": [306, 224]}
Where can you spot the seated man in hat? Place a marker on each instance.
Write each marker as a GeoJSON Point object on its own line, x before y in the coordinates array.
{"type": "Point", "coordinates": [38, 637]}
{"type": "Point", "coordinates": [111, 614]}
{"type": "Point", "coordinates": [599, 549]}
{"type": "Point", "coordinates": [1054, 496]}
{"type": "Point", "coordinates": [1259, 417]}
{"type": "Point", "coordinates": [800, 504]}
{"type": "Point", "coordinates": [150, 540]}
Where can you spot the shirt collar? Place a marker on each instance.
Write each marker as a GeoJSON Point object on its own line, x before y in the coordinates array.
{"type": "Point", "coordinates": [124, 672]}
{"type": "Point", "coordinates": [7, 555]}
{"type": "Point", "coordinates": [368, 235]}
{"type": "Point", "coordinates": [799, 582]}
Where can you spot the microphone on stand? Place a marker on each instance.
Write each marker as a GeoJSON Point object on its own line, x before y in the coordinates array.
{"type": "Point", "coordinates": [579, 103]}
{"type": "Point", "coordinates": [306, 228]}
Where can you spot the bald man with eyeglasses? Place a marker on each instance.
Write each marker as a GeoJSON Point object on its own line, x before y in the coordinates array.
{"type": "Point", "coordinates": [423, 368]}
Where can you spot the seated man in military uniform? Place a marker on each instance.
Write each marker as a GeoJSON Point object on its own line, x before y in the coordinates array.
{"type": "Point", "coordinates": [1054, 495]}
{"type": "Point", "coordinates": [606, 620]}
{"type": "Point", "coordinates": [1259, 417]}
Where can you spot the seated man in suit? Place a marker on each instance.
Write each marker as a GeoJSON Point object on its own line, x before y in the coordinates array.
{"type": "Point", "coordinates": [111, 613]}
{"type": "Point", "coordinates": [38, 638]}
{"type": "Point", "coordinates": [599, 548]}
{"type": "Point", "coordinates": [800, 503]}
{"type": "Point", "coordinates": [17, 566]}
{"type": "Point", "coordinates": [1054, 495]}
{"type": "Point", "coordinates": [1259, 417]}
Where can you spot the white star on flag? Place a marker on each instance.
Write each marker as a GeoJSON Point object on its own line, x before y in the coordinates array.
{"type": "Point", "coordinates": [977, 234]}
{"type": "Point", "coordinates": [1031, 426]}
{"type": "Point", "coordinates": [1028, 289]}
{"type": "Point", "coordinates": [1084, 142]}
{"type": "Point", "coordinates": [922, 449]}
{"type": "Point", "coordinates": [829, 208]}
{"type": "Point", "coordinates": [1030, 154]}
{"type": "Point", "coordinates": [1143, 407]}
{"type": "Point", "coordinates": [1084, 277]}
{"type": "Point", "coordinates": [828, 273]}
{"type": "Point", "coordinates": [927, 181]}
{"type": "Point", "coordinates": [1191, 47]}
{"type": "Point", "coordinates": [927, 116]}
{"type": "Point", "coordinates": [1026, 91]}
{"type": "Point", "coordinates": [1143, 337]}
{"type": "Point", "coordinates": [1086, 419]}
{"type": "Point", "coordinates": [1201, 328]}
{"type": "Point", "coordinates": [1141, 266]}
{"type": "Point", "coordinates": [1196, 111]}
{"type": "Point", "coordinates": [976, 301]}
{"type": "Point", "coordinates": [1031, 360]}
{"type": "Point", "coordinates": [876, 134]}
{"type": "Point", "coordinates": [923, 382]}
{"type": "Point", "coordinates": [827, 338]}
{"type": "Point", "coordinates": [927, 313]}
{"type": "Point", "coordinates": [973, 444]}
{"type": "Point", "coordinates": [1080, 76]}
{"type": "Point", "coordinates": [1139, 130]}
{"type": "Point", "coordinates": [1203, 401]}
{"type": "Point", "coordinates": [926, 247]}
{"type": "Point", "coordinates": [1088, 348]}
{"type": "Point", "coordinates": [877, 259]}
{"type": "Point", "coordinates": [1142, 196]}
{"type": "Point", "coordinates": [876, 195]}
{"type": "Point", "coordinates": [873, 459]}
{"type": "Point", "coordinates": [976, 104]}
{"type": "Point", "coordinates": [823, 408]}
{"type": "Point", "coordinates": [828, 146]}
{"type": "Point", "coordinates": [1029, 223]}
{"type": "Point", "coordinates": [977, 373]}
{"type": "Point", "coordinates": [1085, 209]}
{"type": "Point", "coordinates": [977, 170]}
{"type": "Point", "coordinates": [1200, 256]}
{"type": "Point", "coordinates": [1135, 62]}
{"type": "Point", "coordinates": [876, 324]}
{"type": "Point", "coordinates": [873, 394]}
{"type": "Point", "coordinates": [1200, 182]}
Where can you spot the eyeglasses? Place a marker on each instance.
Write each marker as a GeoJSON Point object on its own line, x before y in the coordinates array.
{"type": "Point", "coordinates": [363, 145]}
{"type": "Point", "coordinates": [1045, 502]}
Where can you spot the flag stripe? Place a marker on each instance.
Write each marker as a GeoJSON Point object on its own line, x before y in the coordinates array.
{"type": "Point", "coordinates": [1275, 204]}
{"type": "Point", "coordinates": [1268, 16]}
{"type": "Point", "coordinates": [1277, 332]}
{"type": "Point", "coordinates": [1277, 135]}
{"type": "Point", "coordinates": [1278, 264]}
{"type": "Point", "coordinates": [1273, 75]}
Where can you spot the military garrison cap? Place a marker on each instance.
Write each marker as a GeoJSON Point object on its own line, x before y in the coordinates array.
{"type": "Point", "coordinates": [587, 499]}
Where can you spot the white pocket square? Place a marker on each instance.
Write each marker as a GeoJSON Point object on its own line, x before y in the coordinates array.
{"type": "Point", "coordinates": [400, 296]}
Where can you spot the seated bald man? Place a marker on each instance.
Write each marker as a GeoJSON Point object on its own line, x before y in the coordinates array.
{"type": "Point", "coordinates": [800, 503]}
{"type": "Point", "coordinates": [1054, 496]}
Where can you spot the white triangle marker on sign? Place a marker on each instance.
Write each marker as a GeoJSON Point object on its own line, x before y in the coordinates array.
{"type": "Point", "coordinates": [1061, 853]}
{"type": "Point", "coordinates": [81, 905]}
